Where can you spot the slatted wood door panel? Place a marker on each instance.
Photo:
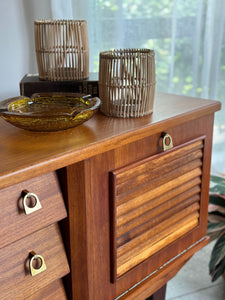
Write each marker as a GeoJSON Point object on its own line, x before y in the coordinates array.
{"type": "Point", "coordinates": [155, 202]}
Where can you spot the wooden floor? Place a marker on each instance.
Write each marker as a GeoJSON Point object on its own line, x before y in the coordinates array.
{"type": "Point", "coordinates": [193, 281]}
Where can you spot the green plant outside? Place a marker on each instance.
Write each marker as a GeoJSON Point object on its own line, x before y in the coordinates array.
{"type": "Point", "coordinates": [216, 226]}
{"type": "Point", "coordinates": [179, 49]}
{"type": "Point", "coordinates": [183, 77]}
{"type": "Point", "coordinates": [177, 70]}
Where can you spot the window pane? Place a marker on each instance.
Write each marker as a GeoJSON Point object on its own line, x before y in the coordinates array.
{"type": "Point", "coordinates": [188, 37]}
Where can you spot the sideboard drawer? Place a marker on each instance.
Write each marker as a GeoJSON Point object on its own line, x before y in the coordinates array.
{"type": "Point", "coordinates": [16, 279]}
{"type": "Point", "coordinates": [156, 201]}
{"type": "Point", "coordinates": [16, 223]}
{"type": "Point", "coordinates": [54, 291]}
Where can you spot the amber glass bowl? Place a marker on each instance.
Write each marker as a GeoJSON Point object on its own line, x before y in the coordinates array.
{"type": "Point", "coordinates": [49, 111]}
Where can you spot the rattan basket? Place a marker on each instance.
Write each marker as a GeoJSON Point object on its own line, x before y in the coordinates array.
{"type": "Point", "coordinates": [62, 49]}
{"type": "Point", "coordinates": [127, 82]}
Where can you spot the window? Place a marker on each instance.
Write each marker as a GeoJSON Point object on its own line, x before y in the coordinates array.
{"type": "Point", "coordinates": [188, 37]}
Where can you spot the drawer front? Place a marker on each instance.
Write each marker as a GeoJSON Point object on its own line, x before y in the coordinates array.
{"type": "Point", "coordinates": [155, 202]}
{"type": "Point", "coordinates": [15, 223]}
{"type": "Point", "coordinates": [54, 291]}
{"type": "Point", "coordinates": [16, 281]}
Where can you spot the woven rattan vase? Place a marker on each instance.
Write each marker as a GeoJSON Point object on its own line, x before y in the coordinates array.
{"type": "Point", "coordinates": [127, 82]}
{"type": "Point", "coordinates": [62, 49]}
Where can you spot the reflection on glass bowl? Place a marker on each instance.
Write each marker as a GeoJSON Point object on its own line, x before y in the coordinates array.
{"type": "Point", "coordinates": [49, 111]}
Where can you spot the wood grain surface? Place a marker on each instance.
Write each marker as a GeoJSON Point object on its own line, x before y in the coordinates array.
{"type": "Point", "coordinates": [96, 208]}
{"type": "Point", "coordinates": [83, 158]}
{"type": "Point", "coordinates": [15, 224]}
{"type": "Point", "coordinates": [54, 290]}
{"type": "Point", "coordinates": [25, 154]}
{"type": "Point", "coordinates": [15, 280]}
{"type": "Point", "coordinates": [162, 276]}
{"type": "Point", "coordinates": [153, 207]}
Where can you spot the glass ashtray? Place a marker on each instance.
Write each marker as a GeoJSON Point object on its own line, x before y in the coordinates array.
{"type": "Point", "coordinates": [49, 111]}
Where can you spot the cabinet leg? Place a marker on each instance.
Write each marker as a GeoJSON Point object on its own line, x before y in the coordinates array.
{"type": "Point", "coordinates": [159, 295]}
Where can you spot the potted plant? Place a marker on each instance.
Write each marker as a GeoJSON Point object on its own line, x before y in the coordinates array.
{"type": "Point", "coordinates": [216, 225]}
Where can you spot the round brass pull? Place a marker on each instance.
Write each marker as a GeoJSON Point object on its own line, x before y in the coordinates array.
{"type": "Point", "coordinates": [37, 264]}
{"type": "Point", "coordinates": [167, 141]}
{"type": "Point", "coordinates": [34, 202]}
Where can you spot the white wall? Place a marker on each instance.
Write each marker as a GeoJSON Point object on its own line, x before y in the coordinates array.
{"type": "Point", "coordinates": [17, 48]}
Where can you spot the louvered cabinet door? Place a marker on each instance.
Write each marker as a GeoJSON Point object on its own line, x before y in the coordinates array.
{"type": "Point", "coordinates": [155, 202]}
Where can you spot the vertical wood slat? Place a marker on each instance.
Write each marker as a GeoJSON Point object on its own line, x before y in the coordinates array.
{"type": "Point", "coordinates": [62, 49]}
{"type": "Point", "coordinates": [156, 201]}
{"type": "Point", "coordinates": [127, 82]}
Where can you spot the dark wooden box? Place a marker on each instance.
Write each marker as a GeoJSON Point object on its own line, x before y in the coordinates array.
{"type": "Point", "coordinates": [31, 84]}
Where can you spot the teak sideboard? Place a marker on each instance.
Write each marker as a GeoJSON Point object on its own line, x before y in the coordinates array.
{"type": "Point", "coordinates": [111, 209]}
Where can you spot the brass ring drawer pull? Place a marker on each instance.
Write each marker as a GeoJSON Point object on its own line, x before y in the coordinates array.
{"type": "Point", "coordinates": [37, 264]}
{"type": "Point", "coordinates": [34, 202]}
{"type": "Point", "coordinates": [167, 141]}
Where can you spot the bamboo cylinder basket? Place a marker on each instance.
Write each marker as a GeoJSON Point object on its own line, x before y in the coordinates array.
{"type": "Point", "coordinates": [127, 82]}
{"type": "Point", "coordinates": [62, 49]}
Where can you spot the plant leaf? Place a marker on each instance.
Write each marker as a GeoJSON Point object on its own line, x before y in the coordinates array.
{"type": "Point", "coordinates": [217, 200]}
{"type": "Point", "coordinates": [212, 227]}
{"type": "Point", "coordinates": [215, 233]}
{"type": "Point", "coordinates": [218, 178]}
{"type": "Point", "coordinates": [218, 271]}
{"type": "Point", "coordinates": [218, 253]}
{"type": "Point", "coordinates": [217, 184]}
{"type": "Point", "coordinates": [214, 207]}
{"type": "Point", "coordinates": [216, 218]}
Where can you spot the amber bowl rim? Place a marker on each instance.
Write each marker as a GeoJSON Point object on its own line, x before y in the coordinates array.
{"type": "Point", "coordinates": [95, 103]}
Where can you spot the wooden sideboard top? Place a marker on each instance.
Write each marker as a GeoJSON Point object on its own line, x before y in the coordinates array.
{"type": "Point", "coordinates": [25, 154]}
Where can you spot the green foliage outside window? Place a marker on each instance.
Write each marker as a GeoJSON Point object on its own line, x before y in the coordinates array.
{"type": "Point", "coordinates": [160, 13]}
{"type": "Point", "coordinates": [179, 44]}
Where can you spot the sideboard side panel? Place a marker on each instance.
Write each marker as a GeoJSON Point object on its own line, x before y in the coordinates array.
{"type": "Point", "coordinates": [75, 186]}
